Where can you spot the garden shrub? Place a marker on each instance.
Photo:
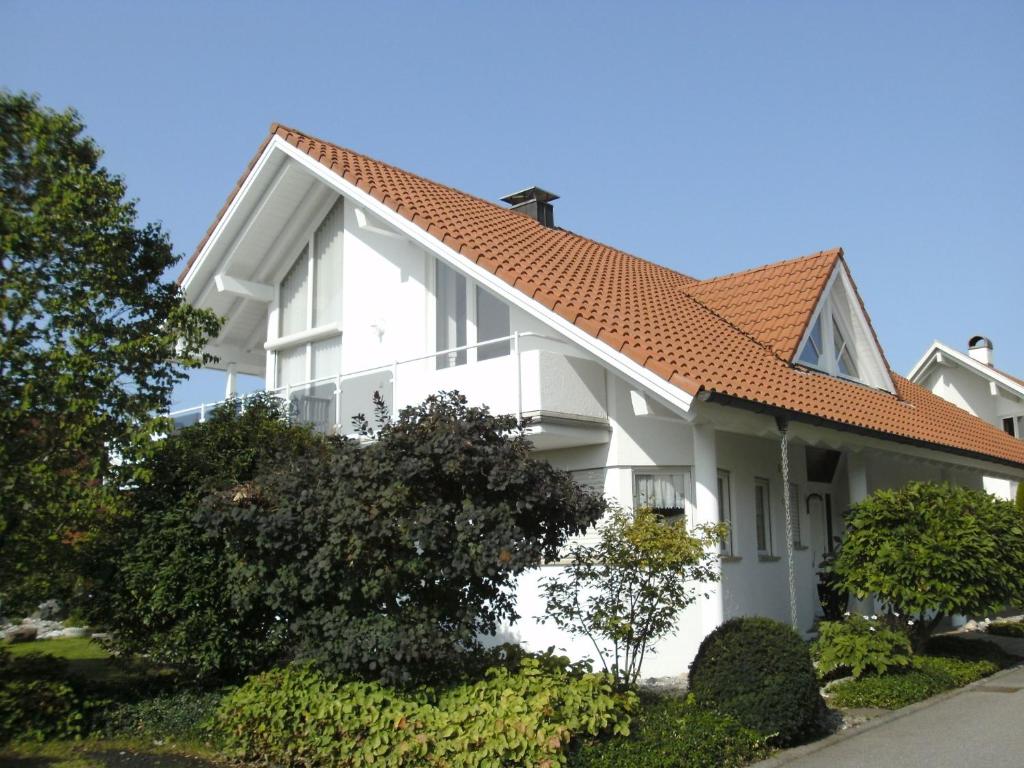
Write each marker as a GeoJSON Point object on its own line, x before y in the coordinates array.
{"type": "Point", "coordinates": [163, 579]}
{"type": "Point", "coordinates": [1006, 628]}
{"type": "Point", "coordinates": [667, 732]}
{"type": "Point", "coordinates": [760, 672]}
{"type": "Point", "coordinates": [859, 645]}
{"type": "Point", "coordinates": [933, 550]}
{"type": "Point", "coordinates": [929, 676]}
{"type": "Point", "coordinates": [525, 716]}
{"type": "Point", "coordinates": [625, 592]}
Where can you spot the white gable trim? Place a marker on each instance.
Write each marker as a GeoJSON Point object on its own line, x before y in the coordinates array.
{"type": "Point", "coordinates": [677, 399]}
{"type": "Point", "coordinates": [856, 329]}
{"type": "Point", "coordinates": [945, 352]}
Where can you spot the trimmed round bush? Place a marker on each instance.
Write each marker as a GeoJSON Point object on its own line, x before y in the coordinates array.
{"type": "Point", "coordinates": [760, 672]}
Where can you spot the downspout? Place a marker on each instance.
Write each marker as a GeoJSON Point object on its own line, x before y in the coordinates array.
{"type": "Point", "coordinates": [787, 503]}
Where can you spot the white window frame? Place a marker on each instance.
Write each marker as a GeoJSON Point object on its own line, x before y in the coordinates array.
{"type": "Point", "coordinates": [828, 361]}
{"type": "Point", "coordinates": [728, 546]}
{"type": "Point", "coordinates": [768, 550]}
{"type": "Point", "coordinates": [688, 489]}
{"type": "Point", "coordinates": [472, 287]}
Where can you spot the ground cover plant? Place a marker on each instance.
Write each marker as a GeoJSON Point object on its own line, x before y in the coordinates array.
{"type": "Point", "coordinates": [526, 714]}
{"type": "Point", "coordinates": [760, 672]}
{"type": "Point", "coordinates": [669, 732]}
{"type": "Point", "coordinates": [928, 676]}
{"type": "Point", "coordinates": [625, 592]}
{"type": "Point", "coordinates": [929, 551]}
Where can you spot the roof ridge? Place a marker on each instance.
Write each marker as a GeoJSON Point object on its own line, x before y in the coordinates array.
{"type": "Point", "coordinates": [281, 126]}
{"type": "Point", "coordinates": [834, 253]}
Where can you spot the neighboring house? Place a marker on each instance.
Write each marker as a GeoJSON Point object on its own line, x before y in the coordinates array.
{"type": "Point", "coordinates": [340, 275]}
{"type": "Point", "coordinates": [972, 382]}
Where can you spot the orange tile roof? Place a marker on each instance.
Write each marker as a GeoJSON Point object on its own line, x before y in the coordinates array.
{"type": "Point", "coordinates": [731, 337]}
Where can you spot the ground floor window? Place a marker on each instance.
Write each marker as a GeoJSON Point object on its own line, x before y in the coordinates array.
{"type": "Point", "coordinates": [795, 507]}
{"type": "Point", "coordinates": [665, 492]}
{"type": "Point", "coordinates": [763, 515]}
{"type": "Point", "coordinates": [725, 510]}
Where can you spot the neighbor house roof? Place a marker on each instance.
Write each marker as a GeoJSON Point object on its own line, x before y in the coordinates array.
{"type": "Point", "coordinates": [987, 372]}
{"type": "Point", "coordinates": [731, 337]}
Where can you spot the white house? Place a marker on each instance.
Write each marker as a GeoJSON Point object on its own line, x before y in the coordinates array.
{"type": "Point", "coordinates": [340, 275]}
{"type": "Point", "coordinates": [972, 382]}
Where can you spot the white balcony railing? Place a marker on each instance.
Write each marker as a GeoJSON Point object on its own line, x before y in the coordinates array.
{"type": "Point", "coordinates": [510, 382]}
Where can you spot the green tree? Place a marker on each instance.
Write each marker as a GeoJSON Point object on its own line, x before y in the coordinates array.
{"type": "Point", "coordinates": [92, 340]}
{"type": "Point", "coordinates": [389, 560]}
{"type": "Point", "coordinates": [163, 580]}
{"type": "Point", "coordinates": [1020, 496]}
{"type": "Point", "coordinates": [625, 592]}
{"type": "Point", "coordinates": [928, 551]}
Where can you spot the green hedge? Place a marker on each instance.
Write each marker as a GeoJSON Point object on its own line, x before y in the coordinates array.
{"type": "Point", "coordinates": [968, 649]}
{"type": "Point", "coordinates": [1007, 628]}
{"type": "Point", "coordinates": [760, 672]}
{"type": "Point", "coordinates": [930, 675]}
{"type": "Point", "coordinates": [670, 733]}
{"type": "Point", "coordinates": [526, 717]}
{"type": "Point", "coordinates": [35, 703]}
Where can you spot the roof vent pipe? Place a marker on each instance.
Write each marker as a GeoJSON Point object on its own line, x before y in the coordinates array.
{"type": "Point", "coordinates": [535, 203]}
{"type": "Point", "coordinates": [980, 348]}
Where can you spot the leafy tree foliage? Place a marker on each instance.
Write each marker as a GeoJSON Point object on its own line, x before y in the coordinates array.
{"type": "Point", "coordinates": [928, 551]}
{"type": "Point", "coordinates": [163, 578]}
{"type": "Point", "coordinates": [386, 560]}
{"type": "Point", "coordinates": [92, 340]}
{"type": "Point", "coordinates": [625, 592]}
{"type": "Point", "coordinates": [1020, 496]}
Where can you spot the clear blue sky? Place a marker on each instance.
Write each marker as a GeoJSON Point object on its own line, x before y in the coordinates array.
{"type": "Point", "coordinates": [709, 137]}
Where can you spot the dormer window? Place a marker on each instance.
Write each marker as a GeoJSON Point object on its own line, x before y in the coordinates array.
{"type": "Point", "coordinates": [839, 340]}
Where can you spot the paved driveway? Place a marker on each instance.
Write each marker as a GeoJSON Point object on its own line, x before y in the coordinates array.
{"type": "Point", "coordinates": [981, 725]}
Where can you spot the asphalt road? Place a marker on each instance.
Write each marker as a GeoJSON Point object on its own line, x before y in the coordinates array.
{"type": "Point", "coordinates": [982, 725]}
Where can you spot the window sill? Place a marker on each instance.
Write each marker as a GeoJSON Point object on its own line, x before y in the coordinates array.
{"type": "Point", "coordinates": [730, 558]}
{"type": "Point", "coordinates": [768, 558]}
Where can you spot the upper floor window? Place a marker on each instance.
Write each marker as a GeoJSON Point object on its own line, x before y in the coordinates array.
{"type": "Point", "coordinates": [1009, 427]}
{"type": "Point", "coordinates": [466, 315]}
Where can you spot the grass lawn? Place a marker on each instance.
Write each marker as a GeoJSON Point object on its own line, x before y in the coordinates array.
{"type": "Point", "coordinates": [89, 662]}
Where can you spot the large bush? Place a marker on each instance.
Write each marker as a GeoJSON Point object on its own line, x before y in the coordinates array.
{"type": "Point", "coordinates": [668, 732]}
{"type": "Point", "coordinates": [625, 592]}
{"type": "Point", "coordinates": [760, 672]}
{"type": "Point", "coordinates": [934, 550]}
{"type": "Point", "coordinates": [861, 646]}
{"type": "Point", "coordinates": [526, 716]}
{"type": "Point", "coordinates": [164, 578]}
{"type": "Point", "coordinates": [388, 561]}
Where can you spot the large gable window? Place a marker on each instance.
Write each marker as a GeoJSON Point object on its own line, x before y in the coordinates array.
{"type": "Point", "coordinates": [309, 307]}
{"type": "Point", "coordinates": [839, 341]}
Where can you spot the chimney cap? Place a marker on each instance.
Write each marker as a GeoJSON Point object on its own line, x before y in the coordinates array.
{"type": "Point", "coordinates": [979, 342]}
{"type": "Point", "coordinates": [528, 195]}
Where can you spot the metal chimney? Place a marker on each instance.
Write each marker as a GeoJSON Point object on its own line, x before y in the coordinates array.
{"type": "Point", "coordinates": [535, 203]}
{"type": "Point", "coordinates": [980, 348]}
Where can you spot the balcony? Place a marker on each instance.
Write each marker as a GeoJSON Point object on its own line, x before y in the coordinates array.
{"type": "Point", "coordinates": [528, 375]}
